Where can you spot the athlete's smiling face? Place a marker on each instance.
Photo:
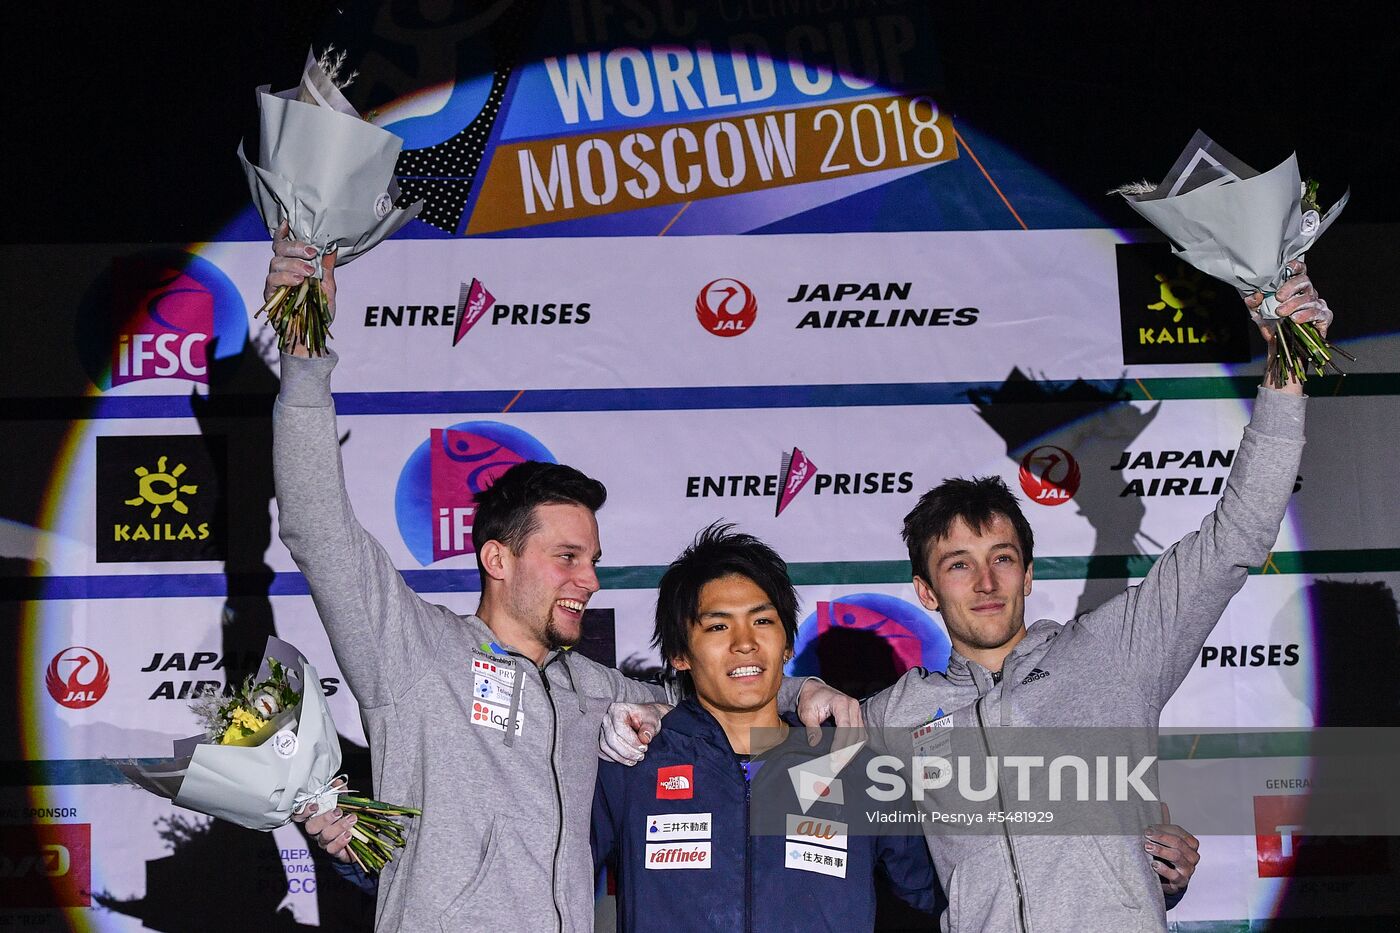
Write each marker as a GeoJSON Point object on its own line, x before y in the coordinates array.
{"type": "Point", "coordinates": [548, 584]}
{"type": "Point", "coordinates": [737, 647]}
{"type": "Point", "coordinates": [978, 582]}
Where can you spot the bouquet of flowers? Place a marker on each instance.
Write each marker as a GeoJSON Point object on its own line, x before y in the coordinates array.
{"type": "Point", "coordinates": [269, 747]}
{"type": "Point", "coordinates": [1243, 227]}
{"type": "Point", "coordinates": [329, 174]}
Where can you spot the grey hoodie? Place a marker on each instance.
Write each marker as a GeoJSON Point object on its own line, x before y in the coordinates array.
{"type": "Point", "coordinates": [1115, 666]}
{"type": "Point", "coordinates": [506, 787]}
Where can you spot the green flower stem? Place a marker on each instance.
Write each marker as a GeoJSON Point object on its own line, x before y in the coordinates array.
{"type": "Point", "coordinates": [299, 317]}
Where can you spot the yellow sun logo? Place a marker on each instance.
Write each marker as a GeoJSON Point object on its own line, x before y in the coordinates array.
{"type": "Point", "coordinates": [1189, 290]}
{"type": "Point", "coordinates": [162, 488]}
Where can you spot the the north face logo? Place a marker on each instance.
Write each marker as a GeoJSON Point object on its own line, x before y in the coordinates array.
{"type": "Point", "coordinates": [675, 783]}
{"type": "Point", "coordinates": [1035, 674]}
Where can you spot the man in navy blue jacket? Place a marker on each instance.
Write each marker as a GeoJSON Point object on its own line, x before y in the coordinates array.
{"type": "Point", "coordinates": [678, 825]}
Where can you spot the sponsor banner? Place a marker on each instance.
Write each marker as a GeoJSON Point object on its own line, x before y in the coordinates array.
{"type": "Point", "coordinates": [115, 678]}
{"type": "Point", "coordinates": [1148, 474]}
{"type": "Point", "coordinates": [103, 856]}
{"type": "Point", "coordinates": [46, 865]}
{"type": "Point", "coordinates": [856, 308]}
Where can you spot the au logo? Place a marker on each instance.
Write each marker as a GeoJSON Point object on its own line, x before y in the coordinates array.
{"type": "Point", "coordinates": [158, 498]}
{"type": "Point", "coordinates": [1172, 313]}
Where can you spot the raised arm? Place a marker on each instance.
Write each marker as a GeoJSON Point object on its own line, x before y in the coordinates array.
{"type": "Point", "coordinates": [1157, 628]}
{"type": "Point", "coordinates": [379, 628]}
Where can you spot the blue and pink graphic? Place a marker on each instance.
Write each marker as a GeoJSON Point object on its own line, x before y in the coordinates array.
{"type": "Point", "coordinates": [436, 494]}
{"type": "Point", "coordinates": [159, 315]}
{"type": "Point", "coordinates": [882, 636]}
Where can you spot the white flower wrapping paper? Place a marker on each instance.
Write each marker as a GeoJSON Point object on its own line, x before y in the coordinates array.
{"type": "Point", "coordinates": [1232, 222]}
{"type": "Point", "coordinates": [256, 787]}
{"type": "Point", "coordinates": [323, 169]}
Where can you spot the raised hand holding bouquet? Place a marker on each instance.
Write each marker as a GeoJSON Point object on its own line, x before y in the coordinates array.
{"type": "Point", "coordinates": [328, 175]}
{"type": "Point", "coordinates": [268, 749]}
{"type": "Point", "coordinates": [1245, 228]}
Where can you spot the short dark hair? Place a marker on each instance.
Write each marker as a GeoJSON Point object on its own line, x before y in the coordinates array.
{"type": "Point", "coordinates": [505, 510]}
{"type": "Point", "coordinates": [976, 501]}
{"type": "Point", "coordinates": [717, 552]}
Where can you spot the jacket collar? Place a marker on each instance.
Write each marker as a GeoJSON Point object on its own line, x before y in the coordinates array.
{"type": "Point", "coordinates": [964, 673]}
{"type": "Point", "coordinates": [691, 719]}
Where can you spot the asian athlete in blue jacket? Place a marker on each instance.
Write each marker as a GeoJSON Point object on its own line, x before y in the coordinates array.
{"type": "Point", "coordinates": [678, 825]}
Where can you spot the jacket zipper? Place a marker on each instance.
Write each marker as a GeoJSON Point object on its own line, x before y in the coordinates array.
{"type": "Point", "coordinates": [558, 797]}
{"type": "Point", "coordinates": [1022, 924]}
{"type": "Point", "coordinates": [748, 853]}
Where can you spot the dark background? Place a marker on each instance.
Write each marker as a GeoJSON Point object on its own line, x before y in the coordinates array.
{"type": "Point", "coordinates": [123, 117]}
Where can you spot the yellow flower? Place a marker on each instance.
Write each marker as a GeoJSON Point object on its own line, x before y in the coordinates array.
{"type": "Point", "coordinates": [244, 724]}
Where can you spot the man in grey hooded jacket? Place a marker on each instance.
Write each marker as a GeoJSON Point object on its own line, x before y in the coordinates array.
{"type": "Point", "coordinates": [485, 722]}
{"type": "Point", "coordinates": [1116, 666]}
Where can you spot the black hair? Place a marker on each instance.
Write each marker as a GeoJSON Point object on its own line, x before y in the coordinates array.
{"type": "Point", "coordinates": [977, 502]}
{"type": "Point", "coordinates": [717, 552]}
{"type": "Point", "coordinates": [505, 510]}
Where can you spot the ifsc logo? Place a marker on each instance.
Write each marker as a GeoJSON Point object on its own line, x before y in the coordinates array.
{"type": "Point", "coordinates": [77, 677]}
{"type": "Point", "coordinates": [726, 307]}
{"type": "Point", "coordinates": [436, 494]}
{"type": "Point", "coordinates": [162, 314]}
{"type": "Point", "coordinates": [1049, 475]}
{"type": "Point", "coordinates": [861, 629]}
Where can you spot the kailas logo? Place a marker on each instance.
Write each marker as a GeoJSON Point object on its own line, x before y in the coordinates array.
{"type": "Point", "coordinates": [158, 498]}
{"type": "Point", "coordinates": [161, 488]}
{"type": "Point", "coordinates": [46, 865]}
{"type": "Point", "coordinates": [472, 305]}
{"type": "Point", "coordinates": [1049, 475]}
{"type": "Point", "coordinates": [864, 637]}
{"type": "Point", "coordinates": [1172, 313]}
{"type": "Point", "coordinates": [436, 494]}
{"type": "Point", "coordinates": [159, 315]}
{"type": "Point", "coordinates": [77, 677]}
{"type": "Point", "coordinates": [726, 307]}
{"type": "Point", "coordinates": [676, 782]}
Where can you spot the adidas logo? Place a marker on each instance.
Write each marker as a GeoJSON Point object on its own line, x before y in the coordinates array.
{"type": "Point", "coordinates": [1035, 674]}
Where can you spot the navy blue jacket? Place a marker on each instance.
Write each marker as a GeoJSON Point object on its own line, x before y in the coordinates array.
{"type": "Point", "coordinates": [678, 826]}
